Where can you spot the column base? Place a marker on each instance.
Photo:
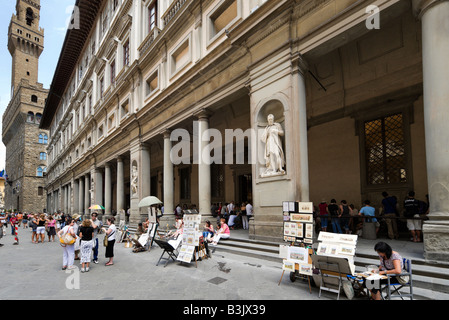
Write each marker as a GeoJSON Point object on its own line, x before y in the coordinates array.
{"type": "Point", "coordinates": [436, 240]}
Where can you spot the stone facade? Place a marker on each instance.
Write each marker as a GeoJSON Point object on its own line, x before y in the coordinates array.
{"type": "Point", "coordinates": [26, 155]}
{"type": "Point", "coordinates": [150, 68]}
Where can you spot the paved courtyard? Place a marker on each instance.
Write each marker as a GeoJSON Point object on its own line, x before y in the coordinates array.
{"type": "Point", "coordinates": [33, 271]}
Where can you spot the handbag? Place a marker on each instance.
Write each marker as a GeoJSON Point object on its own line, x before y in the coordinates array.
{"type": "Point", "coordinates": [403, 279]}
{"type": "Point", "coordinates": [67, 238]}
{"type": "Point", "coordinates": [106, 239]}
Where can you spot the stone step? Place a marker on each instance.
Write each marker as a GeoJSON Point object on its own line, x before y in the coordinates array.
{"type": "Point", "coordinates": [429, 280]}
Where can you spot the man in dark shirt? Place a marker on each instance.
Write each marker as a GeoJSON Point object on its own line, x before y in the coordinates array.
{"type": "Point", "coordinates": [414, 223]}
{"type": "Point", "coordinates": [390, 213]}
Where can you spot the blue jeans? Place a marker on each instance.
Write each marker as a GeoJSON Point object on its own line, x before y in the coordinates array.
{"type": "Point", "coordinates": [336, 225]}
{"type": "Point", "coordinates": [324, 221]}
{"type": "Point", "coordinates": [95, 249]}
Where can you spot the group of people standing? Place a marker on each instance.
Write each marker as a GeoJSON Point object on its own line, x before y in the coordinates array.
{"type": "Point", "coordinates": [235, 215]}
{"type": "Point", "coordinates": [86, 244]}
{"type": "Point", "coordinates": [347, 219]}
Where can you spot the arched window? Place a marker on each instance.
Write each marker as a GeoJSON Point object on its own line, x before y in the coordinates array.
{"type": "Point", "coordinates": [33, 98]}
{"type": "Point", "coordinates": [40, 172]}
{"type": "Point", "coordinates": [38, 118]}
{"type": "Point", "coordinates": [43, 139]}
{"type": "Point", "coordinates": [29, 16]}
{"type": "Point", "coordinates": [30, 117]}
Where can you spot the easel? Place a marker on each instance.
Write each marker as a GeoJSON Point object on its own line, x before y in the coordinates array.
{"type": "Point", "coordinates": [297, 269]}
{"type": "Point", "coordinates": [336, 268]}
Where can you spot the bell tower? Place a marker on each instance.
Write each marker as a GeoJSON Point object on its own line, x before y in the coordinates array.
{"type": "Point", "coordinates": [25, 42]}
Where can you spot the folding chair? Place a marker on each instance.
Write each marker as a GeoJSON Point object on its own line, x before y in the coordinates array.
{"type": "Point", "coordinates": [392, 289]}
{"type": "Point", "coordinates": [168, 248]}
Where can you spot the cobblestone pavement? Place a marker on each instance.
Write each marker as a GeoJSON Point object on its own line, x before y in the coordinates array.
{"type": "Point", "coordinates": [33, 271]}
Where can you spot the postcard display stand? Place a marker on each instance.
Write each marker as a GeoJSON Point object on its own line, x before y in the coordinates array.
{"type": "Point", "coordinates": [335, 259]}
{"type": "Point", "coordinates": [190, 237]}
{"type": "Point", "coordinates": [298, 231]}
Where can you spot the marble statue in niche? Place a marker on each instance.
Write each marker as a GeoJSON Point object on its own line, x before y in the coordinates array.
{"type": "Point", "coordinates": [273, 154]}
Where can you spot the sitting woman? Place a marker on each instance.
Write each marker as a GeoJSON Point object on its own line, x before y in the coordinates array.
{"type": "Point", "coordinates": [208, 230]}
{"type": "Point", "coordinates": [222, 233]}
{"type": "Point", "coordinates": [390, 263]}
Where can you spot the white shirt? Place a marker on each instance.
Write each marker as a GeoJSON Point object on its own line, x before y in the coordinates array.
{"type": "Point", "coordinates": [249, 210]}
{"type": "Point", "coordinates": [111, 235]}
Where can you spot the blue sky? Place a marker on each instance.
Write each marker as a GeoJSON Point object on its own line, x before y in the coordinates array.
{"type": "Point", "coordinates": [54, 17]}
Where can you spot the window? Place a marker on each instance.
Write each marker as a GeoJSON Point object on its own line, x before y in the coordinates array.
{"type": "Point", "coordinates": [100, 131]}
{"type": "Point", "coordinates": [33, 98]}
{"type": "Point", "coordinates": [42, 156]}
{"type": "Point", "coordinates": [40, 191]}
{"type": "Point", "coordinates": [30, 117]}
{"type": "Point", "coordinates": [126, 53]}
{"type": "Point", "coordinates": [40, 172]}
{"type": "Point", "coordinates": [101, 88]}
{"type": "Point", "coordinates": [185, 183]}
{"type": "Point", "coordinates": [226, 13]}
{"type": "Point", "coordinates": [29, 16]}
{"type": "Point", "coordinates": [124, 109]}
{"type": "Point", "coordinates": [152, 83]}
{"type": "Point", "coordinates": [181, 56]}
{"type": "Point", "coordinates": [113, 73]}
{"type": "Point", "coordinates": [43, 139]}
{"type": "Point", "coordinates": [38, 118]}
{"type": "Point", "coordinates": [152, 15]}
{"type": "Point", "coordinates": [217, 181]}
{"type": "Point", "coordinates": [385, 151]}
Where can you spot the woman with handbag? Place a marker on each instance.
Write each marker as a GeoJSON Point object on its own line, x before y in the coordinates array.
{"type": "Point", "coordinates": [67, 238]}
{"type": "Point", "coordinates": [110, 236]}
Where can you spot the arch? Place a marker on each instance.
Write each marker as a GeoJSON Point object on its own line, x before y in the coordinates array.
{"type": "Point", "coordinates": [33, 98]}
{"type": "Point", "coordinates": [40, 172]}
{"type": "Point", "coordinates": [29, 17]}
{"type": "Point", "coordinates": [30, 117]}
{"type": "Point", "coordinates": [38, 118]}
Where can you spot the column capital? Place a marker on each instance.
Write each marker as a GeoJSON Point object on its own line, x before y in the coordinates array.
{"type": "Point", "coordinates": [166, 133]}
{"type": "Point", "coordinates": [203, 114]}
{"type": "Point", "coordinates": [420, 7]}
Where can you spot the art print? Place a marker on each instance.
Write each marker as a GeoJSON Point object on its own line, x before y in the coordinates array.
{"type": "Point", "coordinates": [288, 266]}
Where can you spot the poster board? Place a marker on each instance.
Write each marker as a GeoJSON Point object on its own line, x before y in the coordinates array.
{"type": "Point", "coordinates": [190, 237]}
{"type": "Point", "coordinates": [298, 232]}
{"type": "Point", "coordinates": [338, 246]}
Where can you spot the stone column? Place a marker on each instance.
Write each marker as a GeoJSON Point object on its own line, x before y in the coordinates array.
{"type": "Point", "coordinates": [86, 196]}
{"type": "Point", "coordinates": [81, 196]}
{"type": "Point", "coordinates": [107, 191]}
{"type": "Point", "coordinates": [66, 198]}
{"type": "Point", "coordinates": [98, 191]}
{"type": "Point", "coordinates": [435, 45]}
{"type": "Point", "coordinates": [204, 186]}
{"type": "Point", "coordinates": [145, 175]}
{"type": "Point", "coordinates": [301, 120]}
{"type": "Point", "coordinates": [76, 190]}
{"type": "Point", "coordinates": [169, 205]}
{"type": "Point", "coordinates": [69, 199]}
{"type": "Point", "coordinates": [120, 190]}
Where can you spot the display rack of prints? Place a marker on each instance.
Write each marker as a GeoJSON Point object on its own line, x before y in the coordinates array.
{"type": "Point", "coordinates": [298, 232]}
{"type": "Point", "coordinates": [190, 238]}
{"type": "Point", "coordinates": [298, 222]}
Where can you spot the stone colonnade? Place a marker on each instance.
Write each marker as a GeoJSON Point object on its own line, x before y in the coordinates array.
{"type": "Point", "coordinates": [95, 186]}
